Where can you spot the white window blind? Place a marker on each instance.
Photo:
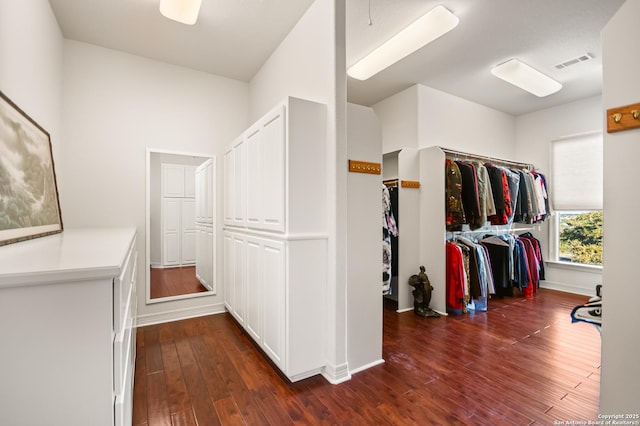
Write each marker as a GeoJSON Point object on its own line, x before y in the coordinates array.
{"type": "Point", "coordinates": [576, 167]}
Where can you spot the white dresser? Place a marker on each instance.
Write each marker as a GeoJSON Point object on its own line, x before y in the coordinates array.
{"type": "Point", "coordinates": [67, 328]}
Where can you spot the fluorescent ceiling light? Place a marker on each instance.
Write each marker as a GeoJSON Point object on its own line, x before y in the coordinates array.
{"type": "Point", "coordinates": [523, 76]}
{"type": "Point", "coordinates": [184, 11]}
{"type": "Point", "coordinates": [424, 30]}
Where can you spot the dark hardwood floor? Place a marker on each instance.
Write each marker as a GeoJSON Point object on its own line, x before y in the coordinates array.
{"type": "Point", "coordinates": [166, 282]}
{"type": "Point", "coordinates": [523, 362]}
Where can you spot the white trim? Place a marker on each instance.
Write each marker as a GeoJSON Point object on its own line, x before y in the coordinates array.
{"type": "Point", "coordinates": [366, 366]}
{"type": "Point", "coordinates": [568, 288]}
{"type": "Point", "coordinates": [275, 235]}
{"type": "Point", "coordinates": [336, 374]}
{"type": "Point", "coordinates": [595, 269]}
{"type": "Point", "coordinates": [179, 314]}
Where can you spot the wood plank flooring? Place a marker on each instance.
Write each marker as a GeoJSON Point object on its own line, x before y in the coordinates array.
{"type": "Point", "coordinates": [167, 282]}
{"type": "Point", "coordinates": [523, 362]}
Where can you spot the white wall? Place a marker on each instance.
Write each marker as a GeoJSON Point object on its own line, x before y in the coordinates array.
{"type": "Point", "coordinates": [398, 115]}
{"type": "Point", "coordinates": [452, 122]}
{"type": "Point", "coordinates": [620, 381]}
{"type": "Point", "coordinates": [364, 246]}
{"type": "Point", "coordinates": [421, 116]}
{"type": "Point", "coordinates": [31, 47]}
{"type": "Point", "coordinates": [115, 106]}
{"type": "Point", "coordinates": [310, 64]}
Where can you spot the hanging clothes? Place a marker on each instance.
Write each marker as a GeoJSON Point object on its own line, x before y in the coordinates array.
{"type": "Point", "coordinates": [455, 278]}
{"type": "Point", "coordinates": [470, 194]}
{"type": "Point", "coordinates": [453, 196]}
{"type": "Point", "coordinates": [389, 228]}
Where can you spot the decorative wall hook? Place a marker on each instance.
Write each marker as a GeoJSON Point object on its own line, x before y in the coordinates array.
{"type": "Point", "coordinates": [623, 118]}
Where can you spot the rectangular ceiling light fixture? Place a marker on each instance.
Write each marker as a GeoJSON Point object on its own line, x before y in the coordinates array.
{"type": "Point", "coordinates": [424, 30]}
{"type": "Point", "coordinates": [526, 78]}
{"type": "Point", "coordinates": [183, 11]}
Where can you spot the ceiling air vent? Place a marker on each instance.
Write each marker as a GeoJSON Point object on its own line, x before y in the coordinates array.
{"type": "Point", "coordinates": [573, 61]}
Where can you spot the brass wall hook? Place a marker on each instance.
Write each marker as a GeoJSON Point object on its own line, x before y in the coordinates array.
{"type": "Point", "coordinates": [617, 117]}
{"type": "Point", "coordinates": [635, 114]}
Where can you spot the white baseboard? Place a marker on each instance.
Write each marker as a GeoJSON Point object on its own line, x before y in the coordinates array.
{"type": "Point", "coordinates": [366, 366]}
{"type": "Point", "coordinates": [568, 288]}
{"type": "Point", "coordinates": [179, 314]}
{"type": "Point", "coordinates": [336, 374]}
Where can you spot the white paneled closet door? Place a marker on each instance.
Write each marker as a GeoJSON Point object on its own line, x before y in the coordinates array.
{"type": "Point", "coordinates": [274, 282]}
{"type": "Point", "coordinates": [178, 213]}
{"type": "Point", "coordinates": [171, 210]}
{"type": "Point", "coordinates": [173, 180]}
{"type": "Point", "coordinates": [254, 167]}
{"type": "Point", "coordinates": [254, 284]}
{"type": "Point", "coordinates": [188, 231]}
{"type": "Point", "coordinates": [229, 187]}
{"type": "Point", "coordinates": [272, 177]}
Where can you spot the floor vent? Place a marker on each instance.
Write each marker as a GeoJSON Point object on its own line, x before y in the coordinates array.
{"type": "Point", "coordinates": [582, 58]}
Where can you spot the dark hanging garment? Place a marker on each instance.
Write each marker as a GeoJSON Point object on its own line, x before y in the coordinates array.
{"type": "Point", "coordinates": [454, 278]}
{"type": "Point", "coordinates": [470, 194]}
{"type": "Point", "coordinates": [453, 194]}
{"type": "Point", "coordinates": [393, 195]}
{"type": "Point", "coordinates": [498, 251]}
{"type": "Point", "coordinates": [523, 205]}
{"type": "Point", "coordinates": [538, 252]}
{"type": "Point", "coordinates": [498, 189]}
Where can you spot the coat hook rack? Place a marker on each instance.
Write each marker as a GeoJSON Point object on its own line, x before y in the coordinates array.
{"type": "Point", "coordinates": [623, 118]}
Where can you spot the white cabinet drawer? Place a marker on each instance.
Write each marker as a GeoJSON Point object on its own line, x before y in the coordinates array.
{"type": "Point", "coordinates": [122, 349]}
{"type": "Point", "coordinates": [123, 407]}
{"type": "Point", "coordinates": [122, 289]}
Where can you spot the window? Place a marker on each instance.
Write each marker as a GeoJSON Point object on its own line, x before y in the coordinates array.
{"type": "Point", "coordinates": [576, 194]}
{"type": "Point", "coordinates": [580, 237]}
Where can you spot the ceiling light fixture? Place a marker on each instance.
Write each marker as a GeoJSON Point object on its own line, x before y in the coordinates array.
{"type": "Point", "coordinates": [424, 30]}
{"type": "Point", "coordinates": [523, 76]}
{"type": "Point", "coordinates": [184, 11]}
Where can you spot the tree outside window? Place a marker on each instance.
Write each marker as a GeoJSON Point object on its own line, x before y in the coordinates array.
{"type": "Point", "coordinates": [580, 237]}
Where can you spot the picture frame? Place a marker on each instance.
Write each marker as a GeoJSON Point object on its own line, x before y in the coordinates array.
{"type": "Point", "coordinates": [29, 203]}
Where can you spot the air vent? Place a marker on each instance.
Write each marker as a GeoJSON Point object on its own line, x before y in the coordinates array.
{"type": "Point", "coordinates": [576, 60]}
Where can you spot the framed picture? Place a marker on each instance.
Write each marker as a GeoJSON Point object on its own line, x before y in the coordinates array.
{"type": "Point", "coordinates": [29, 205]}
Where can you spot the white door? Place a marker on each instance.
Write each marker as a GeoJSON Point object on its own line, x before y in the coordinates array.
{"type": "Point", "coordinates": [272, 176]}
{"type": "Point", "coordinates": [172, 180]}
{"type": "Point", "coordinates": [254, 178]}
{"type": "Point", "coordinates": [274, 286]}
{"type": "Point", "coordinates": [254, 288]}
{"type": "Point", "coordinates": [210, 262]}
{"type": "Point", "coordinates": [239, 298]}
{"type": "Point", "coordinates": [188, 231]}
{"type": "Point", "coordinates": [189, 181]}
{"type": "Point", "coordinates": [240, 183]}
{"type": "Point", "coordinates": [229, 187]}
{"type": "Point", "coordinates": [171, 208]}
{"type": "Point", "coordinates": [229, 271]}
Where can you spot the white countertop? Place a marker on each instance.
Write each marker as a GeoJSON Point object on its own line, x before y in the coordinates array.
{"type": "Point", "coordinates": [73, 255]}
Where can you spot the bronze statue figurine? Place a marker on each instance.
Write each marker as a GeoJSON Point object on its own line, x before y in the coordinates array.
{"type": "Point", "coordinates": [422, 294]}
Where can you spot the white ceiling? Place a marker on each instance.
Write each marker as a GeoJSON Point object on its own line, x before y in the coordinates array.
{"type": "Point", "coordinates": [233, 38]}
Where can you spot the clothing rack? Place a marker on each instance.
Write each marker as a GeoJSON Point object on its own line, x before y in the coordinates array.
{"type": "Point", "coordinates": [493, 229]}
{"type": "Point", "coordinates": [391, 182]}
{"type": "Point", "coordinates": [466, 156]}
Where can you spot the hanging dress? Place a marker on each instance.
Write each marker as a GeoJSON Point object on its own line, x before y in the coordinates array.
{"type": "Point", "coordinates": [389, 229]}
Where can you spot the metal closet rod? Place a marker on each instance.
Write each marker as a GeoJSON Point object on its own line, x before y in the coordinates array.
{"type": "Point", "coordinates": [486, 158]}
